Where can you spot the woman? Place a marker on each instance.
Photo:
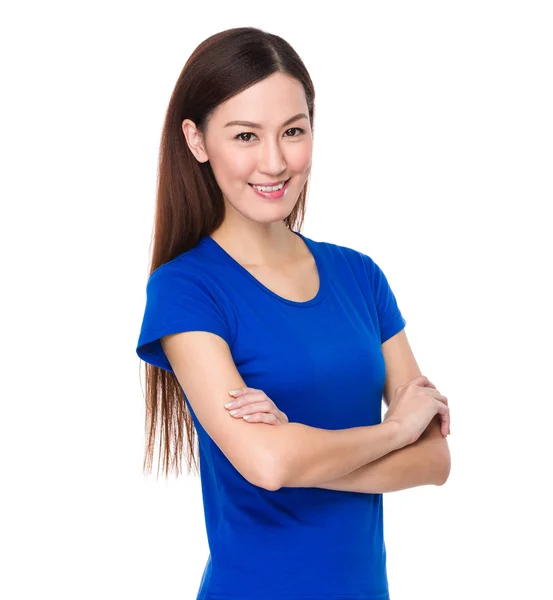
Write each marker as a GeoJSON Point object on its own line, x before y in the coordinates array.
{"type": "Point", "coordinates": [307, 333]}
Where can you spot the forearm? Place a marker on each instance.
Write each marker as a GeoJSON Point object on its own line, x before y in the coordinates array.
{"type": "Point", "coordinates": [425, 462]}
{"type": "Point", "coordinates": [308, 456]}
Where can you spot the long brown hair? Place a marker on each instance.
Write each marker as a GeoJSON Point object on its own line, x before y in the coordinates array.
{"type": "Point", "coordinates": [189, 202]}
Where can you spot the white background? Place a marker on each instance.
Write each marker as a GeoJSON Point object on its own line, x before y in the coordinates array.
{"type": "Point", "coordinates": [433, 154]}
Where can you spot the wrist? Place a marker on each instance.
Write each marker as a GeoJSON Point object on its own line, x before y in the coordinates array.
{"type": "Point", "coordinates": [395, 433]}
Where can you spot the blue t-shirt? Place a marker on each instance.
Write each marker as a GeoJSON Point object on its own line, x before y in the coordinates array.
{"type": "Point", "coordinates": [321, 363]}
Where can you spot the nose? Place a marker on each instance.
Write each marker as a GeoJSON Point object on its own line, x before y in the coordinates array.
{"type": "Point", "coordinates": [271, 159]}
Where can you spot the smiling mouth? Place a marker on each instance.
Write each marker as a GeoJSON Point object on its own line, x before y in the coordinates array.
{"type": "Point", "coordinates": [270, 184]}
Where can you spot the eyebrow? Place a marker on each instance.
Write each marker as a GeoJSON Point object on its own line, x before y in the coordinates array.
{"type": "Point", "coordinates": [259, 126]}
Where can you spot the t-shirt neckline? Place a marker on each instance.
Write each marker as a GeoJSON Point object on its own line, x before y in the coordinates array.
{"type": "Point", "coordinates": [321, 292]}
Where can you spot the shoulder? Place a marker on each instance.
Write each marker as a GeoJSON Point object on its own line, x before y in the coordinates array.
{"type": "Point", "coordinates": [187, 270]}
{"type": "Point", "coordinates": [180, 297]}
{"type": "Point", "coordinates": [174, 271]}
{"type": "Point", "coordinates": [186, 263]}
{"type": "Point", "coordinates": [342, 260]}
{"type": "Point", "coordinates": [342, 256]}
{"type": "Point", "coordinates": [185, 284]}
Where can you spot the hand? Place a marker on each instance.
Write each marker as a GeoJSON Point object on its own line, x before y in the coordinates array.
{"type": "Point", "coordinates": [446, 418]}
{"type": "Point", "coordinates": [254, 406]}
{"type": "Point", "coordinates": [414, 405]}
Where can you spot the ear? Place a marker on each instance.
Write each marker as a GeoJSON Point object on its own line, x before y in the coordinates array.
{"type": "Point", "coordinates": [195, 140]}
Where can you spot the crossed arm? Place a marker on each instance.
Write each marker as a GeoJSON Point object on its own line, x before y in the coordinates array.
{"type": "Point", "coordinates": [426, 462]}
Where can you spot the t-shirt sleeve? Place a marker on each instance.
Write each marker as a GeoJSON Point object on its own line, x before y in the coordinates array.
{"type": "Point", "coordinates": [390, 318]}
{"type": "Point", "coordinates": [177, 301]}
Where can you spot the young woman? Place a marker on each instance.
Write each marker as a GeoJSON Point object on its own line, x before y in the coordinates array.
{"type": "Point", "coordinates": [307, 333]}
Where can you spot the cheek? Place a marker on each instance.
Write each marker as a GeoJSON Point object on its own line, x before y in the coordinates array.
{"type": "Point", "coordinates": [299, 157]}
{"type": "Point", "coordinates": [237, 163]}
{"type": "Point", "coordinates": [242, 165]}
{"type": "Point", "coordinates": [231, 164]}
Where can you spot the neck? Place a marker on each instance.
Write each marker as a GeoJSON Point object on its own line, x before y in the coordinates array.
{"type": "Point", "coordinates": [258, 247]}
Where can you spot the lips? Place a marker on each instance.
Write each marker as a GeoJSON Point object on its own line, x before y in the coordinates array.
{"type": "Point", "coordinates": [270, 184]}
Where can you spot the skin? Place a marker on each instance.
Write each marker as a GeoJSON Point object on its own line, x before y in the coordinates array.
{"type": "Point", "coordinates": [253, 230]}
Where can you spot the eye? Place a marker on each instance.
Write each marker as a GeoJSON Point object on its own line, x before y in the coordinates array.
{"type": "Point", "coordinates": [241, 139]}
{"type": "Point", "coordinates": [298, 129]}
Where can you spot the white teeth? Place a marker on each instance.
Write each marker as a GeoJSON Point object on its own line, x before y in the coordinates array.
{"type": "Point", "coordinates": [270, 188]}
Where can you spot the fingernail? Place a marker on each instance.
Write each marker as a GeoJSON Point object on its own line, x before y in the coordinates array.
{"type": "Point", "coordinates": [230, 404]}
{"type": "Point", "coordinates": [234, 392]}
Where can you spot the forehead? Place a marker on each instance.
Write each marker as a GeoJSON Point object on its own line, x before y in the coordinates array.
{"type": "Point", "coordinates": [268, 102]}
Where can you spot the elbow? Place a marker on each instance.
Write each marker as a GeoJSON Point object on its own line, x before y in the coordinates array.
{"type": "Point", "coordinates": [272, 473]}
{"type": "Point", "coordinates": [274, 463]}
{"type": "Point", "coordinates": [268, 472]}
{"type": "Point", "coordinates": [268, 477]}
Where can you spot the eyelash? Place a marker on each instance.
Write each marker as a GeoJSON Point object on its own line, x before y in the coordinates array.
{"type": "Point", "coordinates": [237, 137]}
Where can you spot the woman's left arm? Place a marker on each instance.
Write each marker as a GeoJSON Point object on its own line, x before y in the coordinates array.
{"type": "Point", "coordinates": [425, 462]}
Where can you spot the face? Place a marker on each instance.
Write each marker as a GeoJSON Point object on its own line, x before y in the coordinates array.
{"type": "Point", "coordinates": [271, 148]}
